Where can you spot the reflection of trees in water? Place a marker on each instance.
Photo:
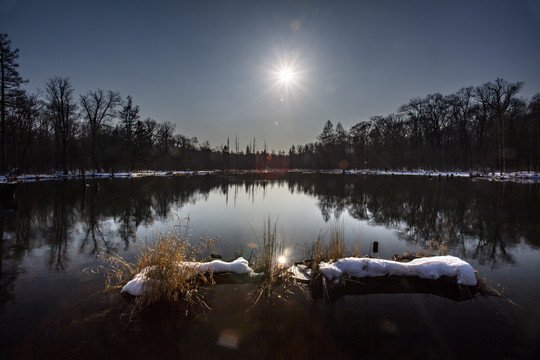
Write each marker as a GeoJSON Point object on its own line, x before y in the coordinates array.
{"type": "Point", "coordinates": [58, 232]}
{"type": "Point", "coordinates": [10, 257]}
{"type": "Point", "coordinates": [495, 232]}
{"type": "Point", "coordinates": [94, 239]}
{"type": "Point", "coordinates": [102, 216]}
{"type": "Point", "coordinates": [480, 220]}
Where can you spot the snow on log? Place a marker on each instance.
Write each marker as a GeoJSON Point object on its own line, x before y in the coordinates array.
{"type": "Point", "coordinates": [136, 286]}
{"type": "Point", "coordinates": [425, 268]}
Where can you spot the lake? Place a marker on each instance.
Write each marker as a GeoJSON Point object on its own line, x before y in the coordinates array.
{"type": "Point", "coordinates": [54, 235]}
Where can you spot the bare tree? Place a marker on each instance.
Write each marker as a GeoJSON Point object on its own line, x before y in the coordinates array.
{"type": "Point", "coordinates": [462, 108]}
{"type": "Point", "coordinates": [63, 112]}
{"type": "Point", "coordinates": [534, 133]}
{"type": "Point", "coordinates": [499, 98]}
{"type": "Point", "coordinates": [165, 137]}
{"type": "Point", "coordinates": [436, 123]}
{"type": "Point", "coordinates": [414, 110]}
{"type": "Point", "coordinates": [27, 119]}
{"type": "Point", "coordinates": [98, 106]}
{"type": "Point", "coordinates": [129, 115]}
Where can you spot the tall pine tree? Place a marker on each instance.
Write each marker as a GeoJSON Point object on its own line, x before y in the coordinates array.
{"type": "Point", "coordinates": [10, 88]}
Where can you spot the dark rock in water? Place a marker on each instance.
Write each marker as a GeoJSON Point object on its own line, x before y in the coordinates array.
{"type": "Point", "coordinates": [216, 256]}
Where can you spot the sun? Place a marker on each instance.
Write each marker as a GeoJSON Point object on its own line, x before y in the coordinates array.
{"type": "Point", "coordinates": [286, 75]}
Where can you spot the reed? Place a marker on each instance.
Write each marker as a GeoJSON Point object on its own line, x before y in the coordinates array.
{"type": "Point", "coordinates": [323, 250]}
{"type": "Point", "coordinates": [167, 281]}
{"type": "Point", "coordinates": [274, 282]}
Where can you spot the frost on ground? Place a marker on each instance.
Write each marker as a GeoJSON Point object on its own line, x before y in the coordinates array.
{"type": "Point", "coordinates": [426, 268]}
{"type": "Point", "coordinates": [137, 285]}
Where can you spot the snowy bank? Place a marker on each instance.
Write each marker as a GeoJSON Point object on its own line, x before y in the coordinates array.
{"type": "Point", "coordinates": [92, 174]}
{"type": "Point", "coordinates": [518, 176]}
{"type": "Point", "coordinates": [426, 268]}
{"type": "Point", "coordinates": [431, 268]}
{"type": "Point", "coordinates": [136, 286]}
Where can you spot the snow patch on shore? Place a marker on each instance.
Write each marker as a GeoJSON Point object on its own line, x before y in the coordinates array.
{"type": "Point", "coordinates": [426, 268]}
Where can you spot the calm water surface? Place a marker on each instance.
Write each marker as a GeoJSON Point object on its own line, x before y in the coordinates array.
{"type": "Point", "coordinates": [51, 231]}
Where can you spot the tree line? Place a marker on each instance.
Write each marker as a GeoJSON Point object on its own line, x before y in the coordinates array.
{"type": "Point", "coordinates": [53, 128]}
{"type": "Point", "coordinates": [483, 127]}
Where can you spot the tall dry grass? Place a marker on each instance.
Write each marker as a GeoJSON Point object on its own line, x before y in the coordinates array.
{"type": "Point", "coordinates": [167, 279]}
{"type": "Point", "coordinates": [274, 283]}
{"type": "Point", "coordinates": [267, 261]}
{"type": "Point", "coordinates": [323, 250]}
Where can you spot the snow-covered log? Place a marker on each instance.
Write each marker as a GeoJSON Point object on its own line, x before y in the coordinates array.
{"type": "Point", "coordinates": [426, 268]}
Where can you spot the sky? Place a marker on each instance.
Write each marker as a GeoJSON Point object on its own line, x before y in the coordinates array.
{"type": "Point", "coordinates": [213, 67]}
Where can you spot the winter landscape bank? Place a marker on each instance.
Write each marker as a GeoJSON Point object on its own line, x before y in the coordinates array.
{"type": "Point", "coordinates": [516, 176]}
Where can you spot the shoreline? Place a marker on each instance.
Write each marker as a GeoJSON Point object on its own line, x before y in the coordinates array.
{"type": "Point", "coordinates": [515, 176]}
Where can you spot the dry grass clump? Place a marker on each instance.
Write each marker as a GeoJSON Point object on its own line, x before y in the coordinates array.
{"type": "Point", "coordinates": [270, 261]}
{"type": "Point", "coordinates": [335, 249]}
{"type": "Point", "coordinates": [274, 282]}
{"type": "Point", "coordinates": [169, 278]}
{"type": "Point", "coordinates": [117, 272]}
{"type": "Point", "coordinates": [322, 250]}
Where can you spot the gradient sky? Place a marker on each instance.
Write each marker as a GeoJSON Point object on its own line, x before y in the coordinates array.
{"type": "Point", "coordinates": [209, 66]}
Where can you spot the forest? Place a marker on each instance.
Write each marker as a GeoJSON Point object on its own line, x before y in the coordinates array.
{"type": "Point", "coordinates": [483, 127]}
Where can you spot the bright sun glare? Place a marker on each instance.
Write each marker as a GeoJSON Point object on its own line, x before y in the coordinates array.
{"type": "Point", "coordinates": [286, 75]}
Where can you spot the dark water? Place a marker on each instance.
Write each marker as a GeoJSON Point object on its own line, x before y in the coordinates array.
{"type": "Point", "coordinates": [52, 231]}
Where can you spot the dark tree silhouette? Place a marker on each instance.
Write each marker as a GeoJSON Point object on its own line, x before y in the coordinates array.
{"type": "Point", "coordinates": [327, 140]}
{"type": "Point", "coordinates": [499, 98]}
{"type": "Point", "coordinates": [477, 128]}
{"type": "Point", "coordinates": [129, 115]}
{"type": "Point", "coordinates": [533, 133]}
{"type": "Point", "coordinates": [98, 107]}
{"type": "Point", "coordinates": [10, 83]}
{"type": "Point", "coordinates": [27, 119]}
{"type": "Point", "coordinates": [63, 112]}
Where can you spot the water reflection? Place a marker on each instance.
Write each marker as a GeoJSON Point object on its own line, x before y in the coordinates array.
{"type": "Point", "coordinates": [479, 220]}
{"type": "Point", "coordinates": [52, 230]}
{"type": "Point", "coordinates": [10, 257]}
